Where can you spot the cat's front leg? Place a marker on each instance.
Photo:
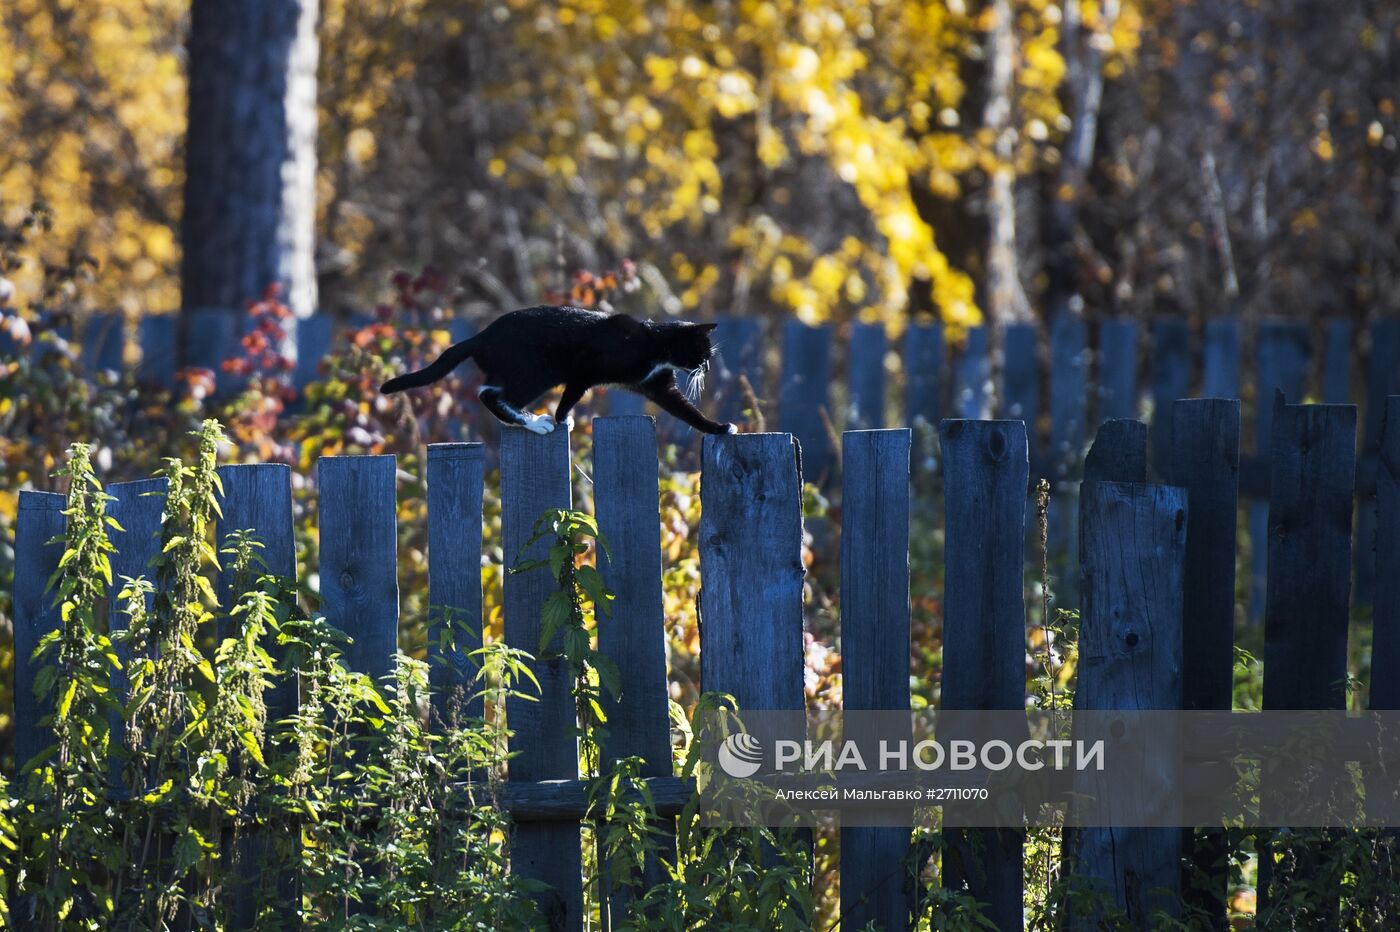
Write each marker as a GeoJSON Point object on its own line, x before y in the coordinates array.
{"type": "Point", "coordinates": [668, 398]}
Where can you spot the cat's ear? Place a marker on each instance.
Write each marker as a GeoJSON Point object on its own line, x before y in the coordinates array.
{"type": "Point", "coordinates": [704, 328]}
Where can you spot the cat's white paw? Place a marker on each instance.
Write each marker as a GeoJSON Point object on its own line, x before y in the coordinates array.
{"type": "Point", "coordinates": [567, 423]}
{"type": "Point", "coordinates": [539, 424]}
{"type": "Point", "coordinates": [731, 428]}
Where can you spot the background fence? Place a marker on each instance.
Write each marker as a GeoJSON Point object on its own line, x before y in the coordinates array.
{"type": "Point", "coordinates": [1063, 380]}
{"type": "Point", "coordinates": [1157, 611]}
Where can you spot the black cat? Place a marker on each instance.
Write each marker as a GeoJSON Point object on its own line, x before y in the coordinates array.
{"type": "Point", "coordinates": [526, 353]}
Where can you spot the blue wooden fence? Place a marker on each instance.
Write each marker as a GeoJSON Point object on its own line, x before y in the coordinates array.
{"type": "Point", "coordinates": [1062, 382]}
{"type": "Point", "coordinates": [1162, 554]}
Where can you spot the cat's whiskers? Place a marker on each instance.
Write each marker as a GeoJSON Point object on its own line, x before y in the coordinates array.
{"type": "Point", "coordinates": [696, 382]}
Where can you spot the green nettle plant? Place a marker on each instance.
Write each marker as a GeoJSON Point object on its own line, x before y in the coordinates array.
{"type": "Point", "coordinates": [170, 799]}
{"type": "Point", "coordinates": [672, 873]}
{"type": "Point", "coordinates": [570, 615]}
{"type": "Point", "coordinates": [66, 843]}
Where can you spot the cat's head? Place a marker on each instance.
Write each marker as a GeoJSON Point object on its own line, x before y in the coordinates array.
{"type": "Point", "coordinates": [687, 345]}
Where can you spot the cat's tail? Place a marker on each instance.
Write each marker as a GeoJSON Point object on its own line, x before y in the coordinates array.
{"type": "Point", "coordinates": [451, 358]}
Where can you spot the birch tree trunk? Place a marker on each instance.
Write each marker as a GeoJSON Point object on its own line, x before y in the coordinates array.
{"type": "Point", "coordinates": [1084, 90]}
{"type": "Point", "coordinates": [1006, 298]}
{"type": "Point", "coordinates": [250, 156]}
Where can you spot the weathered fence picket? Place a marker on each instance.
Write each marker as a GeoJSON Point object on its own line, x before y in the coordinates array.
{"type": "Point", "coordinates": [157, 337]}
{"type": "Point", "coordinates": [1382, 381]}
{"type": "Point", "coordinates": [137, 507]}
{"type": "Point", "coordinates": [1385, 631]}
{"type": "Point", "coordinates": [739, 345]}
{"type": "Point", "coordinates": [1069, 390]}
{"type": "Point", "coordinates": [359, 542]}
{"type": "Point", "coordinates": [1130, 659]}
{"type": "Point", "coordinates": [39, 521]}
{"type": "Point", "coordinates": [866, 377]}
{"type": "Point", "coordinates": [1206, 463]}
{"type": "Point", "coordinates": [456, 479]}
{"type": "Point", "coordinates": [1221, 364]}
{"type": "Point", "coordinates": [212, 335]}
{"type": "Point", "coordinates": [314, 335]}
{"type": "Point", "coordinates": [923, 375]}
{"type": "Point", "coordinates": [1310, 512]}
{"type": "Point", "coordinates": [1020, 379]}
{"type": "Point", "coordinates": [257, 498]}
{"type": "Point", "coordinates": [804, 394]}
{"type": "Point", "coordinates": [1281, 354]}
{"type": "Point", "coordinates": [1385, 646]}
{"type": "Point", "coordinates": [1312, 483]}
{"type": "Point", "coordinates": [1171, 379]}
{"type": "Point", "coordinates": [752, 572]}
{"type": "Point", "coordinates": [534, 479]}
{"type": "Point", "coordinates": [750, 603]}
{"type": "Point", "coordinates": [1119, 452]}
{"type": "Point", "coordinates": [972, 376]}
{"type": "Point", "coordinates": [1336, 362]}
{"type": "Point", "coordinates": [633, 633]}
{"type": "Point", "coordinates": [104, 343]}
{"type": "Point", "coordinates": [986, 473]}
{"type": "Point", "coordinates": [875, 860]}
{"type": "Point", "coordinates": [1118, 369]}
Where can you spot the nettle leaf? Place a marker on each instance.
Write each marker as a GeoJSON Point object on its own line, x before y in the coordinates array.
{"type": "Point", "coordinates": [576, 643]}
{"type": "Point", "coordinates": [159, 793]}
{"type": "Point", "coordinates": [250, 743]}
{"type": "Point", "coordinates": [45, 679]}
{"type": "Point", "coordinates": [65, 703]}
{"type": "Point", "coordinates": [553, 616]}
{"type": "Point", "coordinates": [591, 581]}
{"type": "Point", "coordinates": [607, 674]}
{"type": "Point", "coordinates": [189, 850]}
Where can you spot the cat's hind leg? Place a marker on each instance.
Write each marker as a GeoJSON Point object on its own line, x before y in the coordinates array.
{"type": "Point", "coordinates": [495, 402]}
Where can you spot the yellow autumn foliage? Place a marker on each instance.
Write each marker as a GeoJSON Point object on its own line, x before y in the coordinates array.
{"type": "Point", "coordinates": [681, 122]}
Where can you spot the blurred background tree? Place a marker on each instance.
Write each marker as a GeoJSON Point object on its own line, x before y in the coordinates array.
{"type": "Point", "coordinates": [829, 160]}
{"type": "Point", "coordinates": [250, 155]}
